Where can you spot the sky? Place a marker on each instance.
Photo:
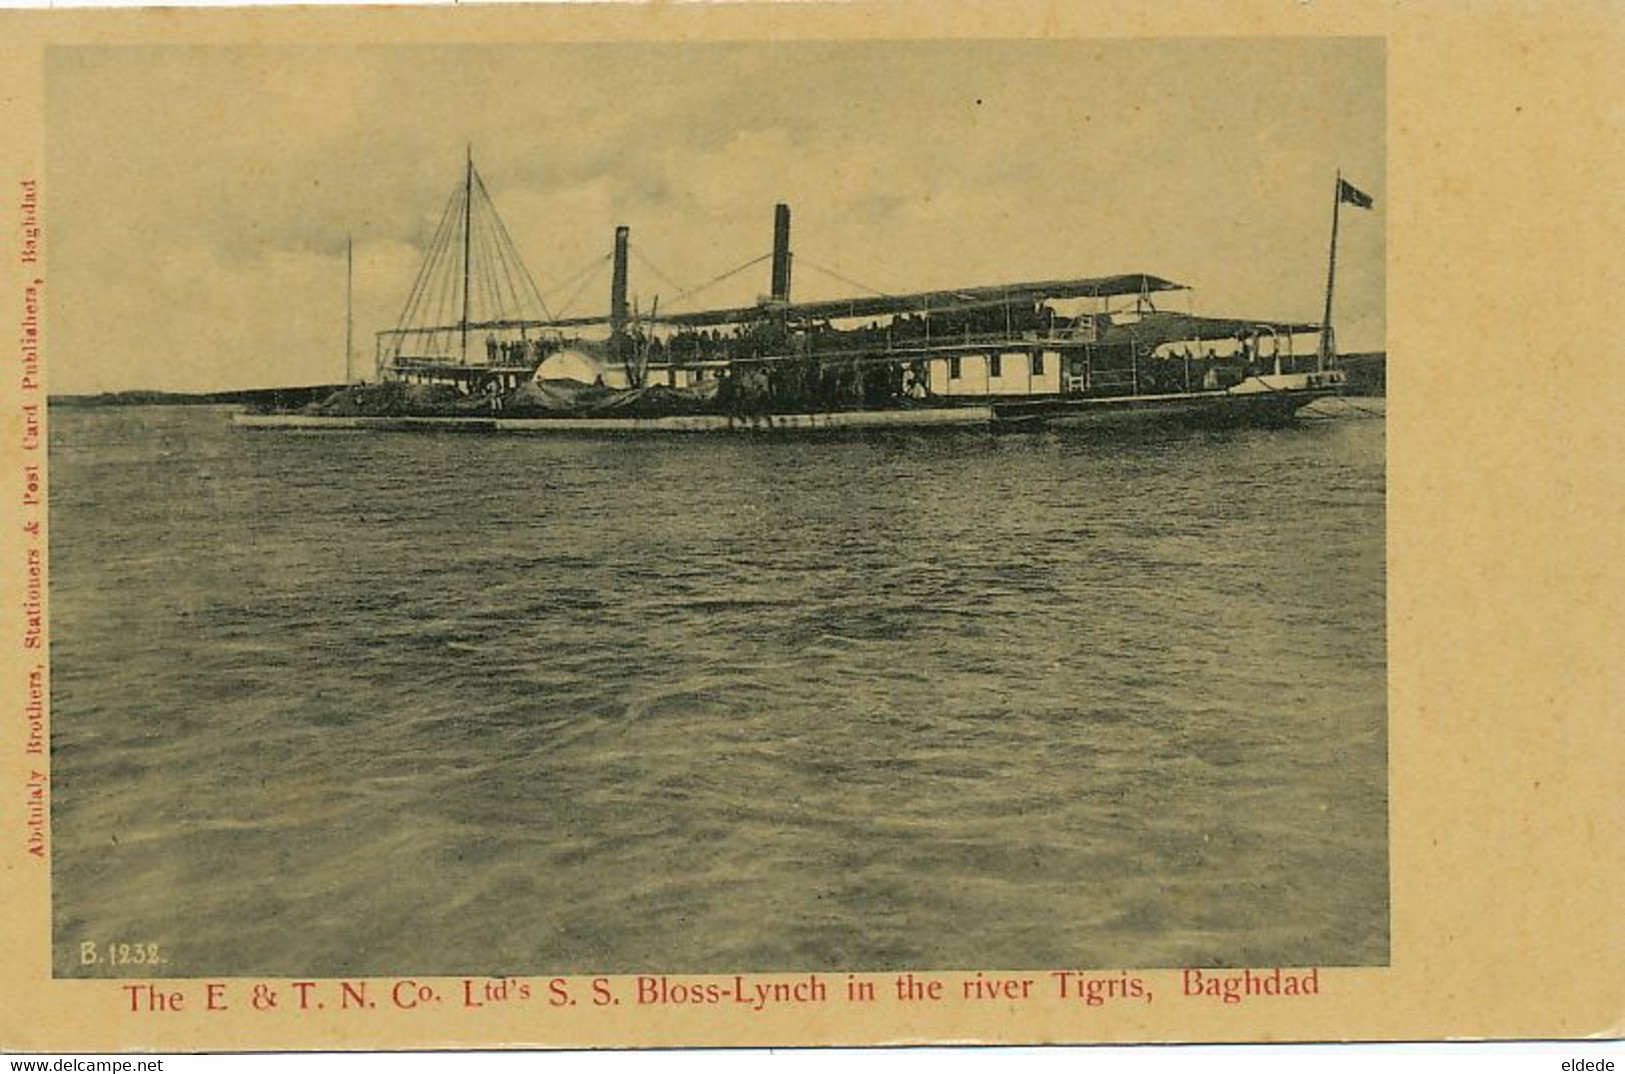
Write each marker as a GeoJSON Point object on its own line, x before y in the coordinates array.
{"type": "Point", "coordinates": [199, 197]}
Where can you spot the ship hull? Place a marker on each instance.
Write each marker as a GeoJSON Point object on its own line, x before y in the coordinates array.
{"type": "Point", "coordinates": [1201, 410]}
{"type": "Point", "coordinates": [1197, 409]}
{"type": "Point", "coordinates": [854, 420]}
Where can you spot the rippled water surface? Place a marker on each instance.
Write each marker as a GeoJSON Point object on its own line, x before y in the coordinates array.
{"type": "Point", "coordinates": [387, 703]}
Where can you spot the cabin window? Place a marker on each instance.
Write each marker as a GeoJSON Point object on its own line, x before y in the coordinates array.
{"type": "Point", "coordinates": [953, 368]}
{"type": "Point", "coordinates": [1038, 363]}
{"type": "Point", "coordinates": [995, 365]}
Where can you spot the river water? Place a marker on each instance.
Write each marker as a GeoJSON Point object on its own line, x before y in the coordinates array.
{"type": "Point", "coordinates": [344, 704]}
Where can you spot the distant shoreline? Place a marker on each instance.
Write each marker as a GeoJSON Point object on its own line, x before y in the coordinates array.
{"type": "Point", "coordinates": [1367, 372]}
{"type": "Point", "coordinates": [256, 397]}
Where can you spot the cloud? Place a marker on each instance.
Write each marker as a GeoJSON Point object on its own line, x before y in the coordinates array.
{"type": "Point", "coordinates": [200, 196]}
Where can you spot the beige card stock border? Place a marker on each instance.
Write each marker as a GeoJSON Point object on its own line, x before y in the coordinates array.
{"type": "Point", "coordinates": [1506, 577]}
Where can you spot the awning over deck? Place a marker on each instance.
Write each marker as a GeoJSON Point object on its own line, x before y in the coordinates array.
{"type": "Point", "coordinates": [939, 301]}
{"type": "Point", "coordinates": [1155, 329]}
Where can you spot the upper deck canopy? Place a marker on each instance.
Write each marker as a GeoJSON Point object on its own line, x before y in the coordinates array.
{"type": "Point", "coordinates": [934, 301]}
{"type": "Point", "coordinates": [1155, 329]}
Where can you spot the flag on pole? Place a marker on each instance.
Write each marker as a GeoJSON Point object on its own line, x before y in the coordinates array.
{"type": "Point", "coordinates": [1347, 191]}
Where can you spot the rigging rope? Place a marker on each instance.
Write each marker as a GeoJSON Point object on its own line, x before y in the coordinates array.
{"type": "Point", "coordinates": [491, 257]}
{"type": "Point", "coordinates": [471, 272]}
{"type": "Point", "coordinates": [513, 248]}
{"type": "Point", "coordinates": [598, 266]}
{"type": "Point", "coordinates": [646, 263]}
{"type": "Point", "coordinates": [716, 280]}
{"type": "Point", "coordinates": [434, 289]}
{"type": "Point", "coordinates": [502, 274]}
{"type": "Point", "coordinates": [849, 282]}
{"type": "Point", "coordinates": [579, 273]}
{"type": "Point", "coordinates": [446, 289]}
{"type": "Point", "coordinates": [420, 285]}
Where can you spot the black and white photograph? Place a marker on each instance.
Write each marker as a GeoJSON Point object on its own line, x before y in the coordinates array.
{"type": "Point", "coordinates": [718, 506]}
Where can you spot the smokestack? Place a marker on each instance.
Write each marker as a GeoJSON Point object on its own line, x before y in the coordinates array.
{"type": "Point", "coordinates": [781, 253]}
{"type": "Point", "coordinates": [617, 286]}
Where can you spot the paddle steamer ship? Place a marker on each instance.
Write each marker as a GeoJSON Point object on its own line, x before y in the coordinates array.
{"type": "Point", "coordinates": [477, 348]}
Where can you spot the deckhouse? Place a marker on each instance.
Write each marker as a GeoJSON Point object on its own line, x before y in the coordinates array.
{"type": "Point", "coordinates": [487, 329]}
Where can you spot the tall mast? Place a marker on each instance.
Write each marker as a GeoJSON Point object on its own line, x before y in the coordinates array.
{"type": "Point", "coordinates": [349, 307]}
{"type": "Point", "coordinates": [468, 219]}
{"type": "Point", "coordinates": [1327, 342]}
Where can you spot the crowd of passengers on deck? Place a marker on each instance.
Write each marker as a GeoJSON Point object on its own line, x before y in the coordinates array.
{"type": "Point", "coordinates": [1163, 370]}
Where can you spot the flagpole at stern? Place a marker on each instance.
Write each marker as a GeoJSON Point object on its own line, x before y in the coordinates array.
{"type": "Point", "coordinates": [1327, 349]}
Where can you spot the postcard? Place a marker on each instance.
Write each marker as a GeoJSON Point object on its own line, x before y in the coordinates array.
{"type": "Point", "coordinates": [623, 526]}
